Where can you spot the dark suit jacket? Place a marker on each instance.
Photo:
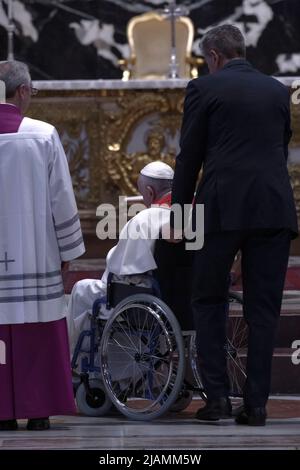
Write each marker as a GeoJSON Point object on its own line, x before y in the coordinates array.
{"type": "Point", "coordinates": [236, 125]}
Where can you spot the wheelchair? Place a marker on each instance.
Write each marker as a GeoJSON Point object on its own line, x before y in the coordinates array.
{"type": "Point", "coordinates": [142, 361]}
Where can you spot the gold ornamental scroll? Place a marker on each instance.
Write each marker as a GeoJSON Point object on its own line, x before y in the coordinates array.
{"type": "Point", "coordinates": [110, 132]}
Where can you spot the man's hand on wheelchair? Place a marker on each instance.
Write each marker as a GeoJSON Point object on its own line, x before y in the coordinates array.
{"type": "Point", "coordinates": [176, 236]}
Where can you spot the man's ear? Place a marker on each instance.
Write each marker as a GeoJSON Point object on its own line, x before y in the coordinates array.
{"type": "Point", "coordinates": [215, 56]}
{"type": "Point", "coordinates": [21, 91]}
{"type": "Point", "coordinates": [151, 193]}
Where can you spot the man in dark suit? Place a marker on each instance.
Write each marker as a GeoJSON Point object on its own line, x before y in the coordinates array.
{"type": "Point", "coordinates": [236, 126]}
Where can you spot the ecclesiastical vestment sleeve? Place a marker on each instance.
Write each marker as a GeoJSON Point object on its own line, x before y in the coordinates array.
{"type": "Point", "coordinates": [63, 204]}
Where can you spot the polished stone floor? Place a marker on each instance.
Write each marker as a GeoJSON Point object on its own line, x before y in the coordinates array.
{"type": "Point", "coordinates": [180, 431]}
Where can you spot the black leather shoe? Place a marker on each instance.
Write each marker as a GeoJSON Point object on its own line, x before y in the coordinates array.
{"type": "Point", "coordinates": [38, 424]}
{"type": "Point", "coordinates": [215, 410]}
{"type": "Point", "coordinates": [252, 416]}
{"type": "Point", "coordinates": [9, 425]}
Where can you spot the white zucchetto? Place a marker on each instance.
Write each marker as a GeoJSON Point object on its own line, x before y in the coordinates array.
{"type": "Point", "coordinates": [158, 170]}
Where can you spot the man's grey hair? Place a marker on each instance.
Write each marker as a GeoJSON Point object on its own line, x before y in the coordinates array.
{"type": "Point", "coordinates": [226, 40]}
{"type": "Point", "coordinates": [14, 73]}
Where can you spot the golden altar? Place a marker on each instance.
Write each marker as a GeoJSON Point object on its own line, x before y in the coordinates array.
{"type": "Point", "coordinates": [112, 128]}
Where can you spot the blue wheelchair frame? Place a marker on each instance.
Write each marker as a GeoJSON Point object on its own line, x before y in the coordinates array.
{"type": "Point", "coordinates": [88, 363]}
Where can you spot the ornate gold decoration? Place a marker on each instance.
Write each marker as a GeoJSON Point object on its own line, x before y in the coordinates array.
{"type": "Point", "coordinates": [129, 165]}
{"type": "Point", "coordinates": [295, 111]}
{"type": "Point", "coordinates": [161, 116]}
{"type": "Point", "coordinates": [77, 124]}
{"type": "Point", "coordinates": [294, 169]}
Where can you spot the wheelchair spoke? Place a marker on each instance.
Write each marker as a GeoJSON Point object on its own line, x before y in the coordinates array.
{"type": "Point", "coordinates": [236, 373]}
{"type": "Point", "coordinates": [237, 352]}
{"type": "Point", "coordinates": [139, 325]}
{"type": "Point", "coordinates": [121, 347]}
{"type": "Point", "coordinates": [128, 337]}
{"type": "Point", "coordinates": [239, 334]}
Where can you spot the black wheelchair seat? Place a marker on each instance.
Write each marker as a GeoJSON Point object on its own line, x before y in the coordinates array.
{"type": "Point", "coordinates": [118, 291]}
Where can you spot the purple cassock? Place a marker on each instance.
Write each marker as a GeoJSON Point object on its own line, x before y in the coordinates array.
{"type": "Point", "coordinates": [35, 372]}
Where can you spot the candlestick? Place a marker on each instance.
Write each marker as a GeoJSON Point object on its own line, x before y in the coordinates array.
{"type": "Point", "coordinates": [10, 31]}
{"type": "Point", "coordinates": [172, 12]}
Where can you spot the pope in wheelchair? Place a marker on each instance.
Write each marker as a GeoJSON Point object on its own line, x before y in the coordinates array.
{"type": "Point", "coordinates": [131, 332]}
{"type": "Point", "coordinates": [132, 259]}
{"type": "Point", "coordinates": [129, 269]}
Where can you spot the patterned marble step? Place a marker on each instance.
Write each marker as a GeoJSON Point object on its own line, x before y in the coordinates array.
{"type": "Point", "coordinates": [289, 329]}
{"type": "Point", "coordinates": [289, 322]}
{"type": "Point", "coordinates": [285, 374]}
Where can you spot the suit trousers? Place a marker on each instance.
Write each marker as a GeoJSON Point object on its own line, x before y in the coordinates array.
{"type": "Point", "coordinates": [265, 254]}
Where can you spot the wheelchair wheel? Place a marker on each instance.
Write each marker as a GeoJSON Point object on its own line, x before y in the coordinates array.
{"type": "Point", "coordinates": [142, 357]}
{"type": "Point", "coordinates": [193, 360]}
{"type": "Point", "coordinates": [76, 383]}
{"type": "Point", "coordinates": [95, 403]}
{"type": "Point", "coordinates": [237, 345]}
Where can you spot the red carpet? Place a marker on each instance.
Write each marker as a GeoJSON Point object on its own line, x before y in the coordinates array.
{"type": "Point", "coordinates": [292, 281]}
{"type": "Point", "coordinates": [73, 276]}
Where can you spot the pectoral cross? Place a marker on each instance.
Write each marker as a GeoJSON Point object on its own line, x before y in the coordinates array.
{"type": "Point", "coordinates": [6, 261]}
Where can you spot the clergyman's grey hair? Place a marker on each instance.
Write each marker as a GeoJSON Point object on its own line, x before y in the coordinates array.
{"type": "Point", "coordinates": [226, 39]}
{"type": "Point", "coordinates": [14, 73]}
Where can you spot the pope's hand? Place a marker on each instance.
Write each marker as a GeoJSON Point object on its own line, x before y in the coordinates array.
{"type": "Point", "coordinates": [176, 236]}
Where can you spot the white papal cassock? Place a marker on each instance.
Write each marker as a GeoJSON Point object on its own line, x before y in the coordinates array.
{"type": "Point", "coordinates": [132, 256]}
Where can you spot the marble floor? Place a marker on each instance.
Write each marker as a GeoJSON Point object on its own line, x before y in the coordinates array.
{"type": "Point", "coordinates": [180, 431]}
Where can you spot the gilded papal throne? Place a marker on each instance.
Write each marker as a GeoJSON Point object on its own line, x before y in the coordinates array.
{"type": "Point", "coordinates": [149, 38]}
